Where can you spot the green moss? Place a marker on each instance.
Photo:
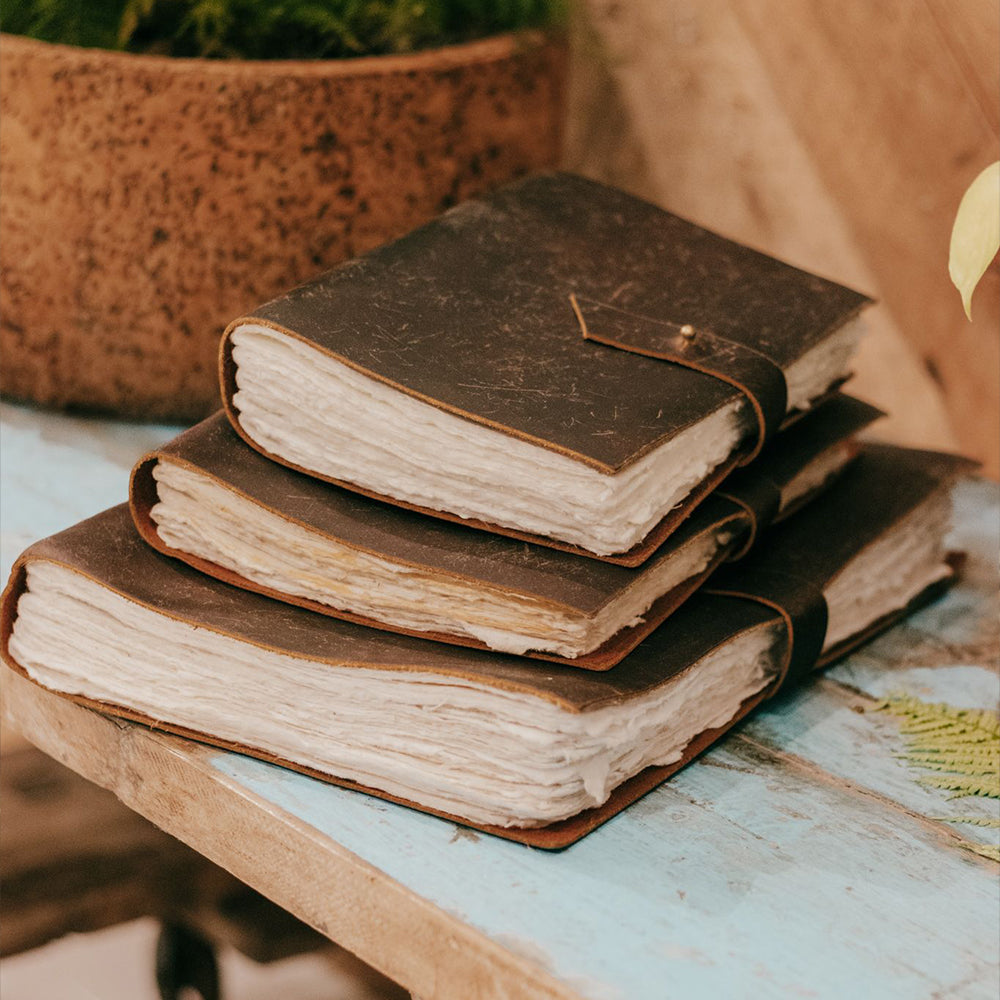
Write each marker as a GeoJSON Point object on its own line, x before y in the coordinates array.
{"type": "Point", "coordinates": [280, 29]}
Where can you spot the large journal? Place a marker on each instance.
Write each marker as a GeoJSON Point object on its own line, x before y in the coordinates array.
{"type": "Point", "coordinates": [534, 751]}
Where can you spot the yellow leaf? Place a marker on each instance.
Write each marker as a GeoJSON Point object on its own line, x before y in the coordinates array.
{"type": "Point", "coordinates": [975, 237]}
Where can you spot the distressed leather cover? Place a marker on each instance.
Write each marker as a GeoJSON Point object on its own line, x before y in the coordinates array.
{"type": "Point", "coordinates": [473, 313]}
{"type": "Point", "coordinates": [739, 362]}
{"type": "Point", "coordinates": [879, 489]}
{"type": "Point", "coordinates": [747, 502]}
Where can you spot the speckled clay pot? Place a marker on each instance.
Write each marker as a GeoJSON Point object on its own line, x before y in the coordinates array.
{"type": "Point", "coordinates": [147, 200]}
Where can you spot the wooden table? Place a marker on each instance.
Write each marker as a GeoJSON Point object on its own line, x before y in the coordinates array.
{"type": "Point", "coordinates": [799, 858]}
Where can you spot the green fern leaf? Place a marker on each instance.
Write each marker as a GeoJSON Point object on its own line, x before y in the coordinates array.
{"type": "Point", "coordinates": [963, 785]}
{"type": "Point", "coordinates": [958, 744]}
{"type": "Point", "coordinates": [988, 821]}
{"type": "Point", "coordinates": [944, 729]}
{"type": "Point", "coordinates": [962, 745]}
{"type": "Point", "coordinates": [968, 767]}
{"type": "Point", "coordinates": [972, 752]}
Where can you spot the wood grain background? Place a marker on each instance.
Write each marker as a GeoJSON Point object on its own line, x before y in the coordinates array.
{"type": "Point", "coordinates": [839, 137]}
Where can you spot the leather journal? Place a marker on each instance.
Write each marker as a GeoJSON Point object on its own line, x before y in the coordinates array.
{"type": "Point", "coordinates": [208, 499]}
{"type": "Point", "coordinates": [537, 752]}
{"type": "Point", "coordinates": [504, 366]}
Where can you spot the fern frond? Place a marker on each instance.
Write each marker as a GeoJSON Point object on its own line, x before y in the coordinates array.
{"type": "Point", "coordinates": [952, 741]}
{"type": "Point", "coordinates": [962, 745]}
{"type": "Point", "coordinates": [988, 821]}
{"type": "Point", "coordinates": [963, 785]}
{"type": "Point", "coordinates": [935, 725]}
{"type": "Point", "coordinates": [972, 751]}
{"type": "Point", "coordinates": [967, 766]}
{"type": "Point", "coordinates": [969, 728]}
{"type": "Point", "coordinates": [991, 851]}
{"type": "Point", "coordinates": [974, 740]}
{"type": "Point", "coordinates": [922, 711]}
{"type": "Point", "coordinates": [937, 728]}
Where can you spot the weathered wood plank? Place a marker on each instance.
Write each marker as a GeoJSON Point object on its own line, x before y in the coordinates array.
{"type": "Point", "coordinates": [755, 866]}
{"type": "Point", "coordinates": [73, 859]}
{"type": "Point", "coordinates": [172, 782]}
{"type": "Point", "coordinates": [743, 869]}
{"type": "Point", "coordinates": [839, 734]}
{"type": "Point", "coordinates": [810, 886]}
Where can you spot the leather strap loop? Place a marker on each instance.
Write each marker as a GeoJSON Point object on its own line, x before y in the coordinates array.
{"type": "Point", "coordinates": [799, 602]}
{"type": "Point", "coordinates": [759, 496]}
{"type": "Point", "coordinates": [759, 378]}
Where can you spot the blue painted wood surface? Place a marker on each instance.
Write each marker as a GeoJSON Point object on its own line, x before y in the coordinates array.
{"type": "Point", "coordinates": [796, 859]}
{"type": "Point", "coordinates": [56, 470]}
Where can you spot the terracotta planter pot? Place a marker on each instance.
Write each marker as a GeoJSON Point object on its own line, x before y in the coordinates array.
{"type": "Point", "coordinates": [147, 200]}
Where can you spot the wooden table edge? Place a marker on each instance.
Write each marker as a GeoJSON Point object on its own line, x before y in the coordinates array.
{"type": "Point", "coordinates": [169, 780]}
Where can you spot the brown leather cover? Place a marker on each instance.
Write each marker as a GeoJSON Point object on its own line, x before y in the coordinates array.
{"type": "Point", "coordinates": [473, 313]}
{"type": "Point", "coordinates": [882, 487]}
{"type": "Point", "coordinates": [743, 365]}
{"type": "Point", "coordinates": [558, 579]}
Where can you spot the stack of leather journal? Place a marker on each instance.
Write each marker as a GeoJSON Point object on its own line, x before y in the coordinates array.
{"type": "Point", "coordinates": [506, 520]}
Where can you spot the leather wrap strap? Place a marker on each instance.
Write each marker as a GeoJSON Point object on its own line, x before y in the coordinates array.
{"type": "Point", "coordinates": [757, 376]}
{"type": "Point", "coordinates": [759, 496]}
{"type": "Point", "coordinates": [801, 604]}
